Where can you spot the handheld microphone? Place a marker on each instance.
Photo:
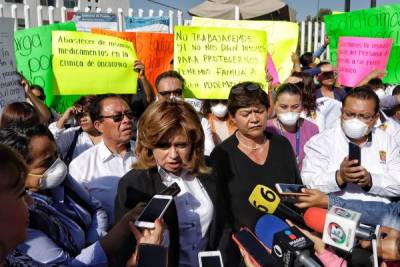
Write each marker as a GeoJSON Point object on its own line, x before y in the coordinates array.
{"type": "Point", "coordinates": [266, 200]}
{"type": "Point", "coordinates": [340, 227]}
{"type": "Point", "coordinates": [289, 246]}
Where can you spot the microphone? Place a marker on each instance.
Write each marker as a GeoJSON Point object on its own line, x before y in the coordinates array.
{"type": "Point", "coordinates": [340, 227]}
{"type": "Point", "coordinates": [289, 245]}
{"type": "Point", "coordinates": [266, 200]}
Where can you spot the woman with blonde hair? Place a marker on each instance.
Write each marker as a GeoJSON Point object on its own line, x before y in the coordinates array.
{"type": "Point", "coordinates": [170, 148]}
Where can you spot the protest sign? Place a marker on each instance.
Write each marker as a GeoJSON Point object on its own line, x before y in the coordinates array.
{"type": "Point", "coordinates": [33, 55]}
{"type": "Point", "coordinates": [212, 59]}
{"type": "Point", "coordinates": [358, 56]}
{"type": "Point", "coordinates": [85, 21]}
{"type": "Point", "coordinates": [147, 24]}
{"type": "Point", "coordinates": [88, 63]}
{"type": "Point", "coordinates": [379, 22]}
{"type": "Point", "coordinates": [282, 38]}
{"type": "Point", "coordinates": [10, 88]}
{"type": "Point", "coordinates": [272, 70]}
{"type": "Point", "coordinates": [155, 50]}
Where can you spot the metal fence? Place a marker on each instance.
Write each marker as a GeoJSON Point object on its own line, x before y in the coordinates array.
{"type": "Point", "coordinates": [311, 35]}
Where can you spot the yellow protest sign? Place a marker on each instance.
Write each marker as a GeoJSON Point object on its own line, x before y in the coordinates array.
{"type": "Point", "coordinates": [282, 38]}
{"type": "Point", "coordinates": [212, 59]}
{"type": "Point", "coordinates": [87, 63]}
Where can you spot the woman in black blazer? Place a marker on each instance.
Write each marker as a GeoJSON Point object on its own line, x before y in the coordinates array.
{"type": "Point", "coordinates": [170, 149]}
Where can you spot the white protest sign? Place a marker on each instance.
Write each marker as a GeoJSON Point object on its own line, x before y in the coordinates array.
{"type": "Point", "coordinates": [10, 88]}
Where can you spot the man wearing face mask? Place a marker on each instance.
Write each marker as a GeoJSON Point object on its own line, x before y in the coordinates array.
{"type": "Point", "coordinates": [327, 167]}
{"type": "Point", "coordinates": [170, 84]}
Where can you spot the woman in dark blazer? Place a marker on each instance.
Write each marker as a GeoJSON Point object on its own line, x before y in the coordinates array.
{"type": "Point", "coordinates": [170, 149]}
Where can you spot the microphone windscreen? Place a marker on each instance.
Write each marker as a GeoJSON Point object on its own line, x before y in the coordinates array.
{"type": "Point", "coordinates": [264, 199]}
{"type": "Point", "coordinates": [315, 218]}
{"type": "Point", "coordinates": [267, 226]}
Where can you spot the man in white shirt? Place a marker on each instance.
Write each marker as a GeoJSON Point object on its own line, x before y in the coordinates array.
{"type": "Point", "coordinates": [326, 165]}
{"type": "Point", "coordinates": [99, 168]}
{"type": "Point", "coordinates": [170, 84]}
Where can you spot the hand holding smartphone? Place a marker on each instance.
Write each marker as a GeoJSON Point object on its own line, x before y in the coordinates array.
{"type": "Point", "coordinates": [290, 189]}
{"type": "Point", "coordinates": [154, 209]}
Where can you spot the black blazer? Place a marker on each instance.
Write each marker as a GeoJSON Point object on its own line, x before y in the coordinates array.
{"type": "Point", "coordinates": [139, 186]}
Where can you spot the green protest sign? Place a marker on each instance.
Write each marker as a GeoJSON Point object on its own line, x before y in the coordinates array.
{"type": "Point", "coordinates": [379, 22]}
{"type": "Point", "coordinates": [33, 55]}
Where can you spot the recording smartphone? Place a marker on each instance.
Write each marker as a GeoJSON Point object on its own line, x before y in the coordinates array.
{"type": "Point", "coordinates": [152, 255]}
{"type": "Point", "coordinates": [290, 189]}
{"type": "Point", "coordinates": [210, 259]}
{"type": "Point", "coordinates": [171, 190]}
{"type": "Point", "coordinates": [246, 240]}
{"type": "Point", "coordinates": [355, 153]}
{"type": "Point", "coordinates": [153, 210]}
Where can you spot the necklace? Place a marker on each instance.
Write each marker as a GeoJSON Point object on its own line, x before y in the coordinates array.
{"type": "Point", "coordinates": [250, 147]}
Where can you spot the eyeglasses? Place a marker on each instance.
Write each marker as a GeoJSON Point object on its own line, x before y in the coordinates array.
{"type": "Point", "coordinates": [362, 117]}
{"type": "Point", "coordinates": [250, 88]}
{"type": "Point", "coordinates": [119, 117]}
{"type": "Point", "coordinates": [177, 92]}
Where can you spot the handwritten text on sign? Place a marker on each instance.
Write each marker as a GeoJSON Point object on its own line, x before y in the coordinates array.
{"type": "Point", "coordinates": [358, 56]}
{"type": "Point", "coordinates": [212, 60]}
{"type": "Point", "coordinates": [99, 64]}
{"type": "Point", "coordinates": [10, 88]}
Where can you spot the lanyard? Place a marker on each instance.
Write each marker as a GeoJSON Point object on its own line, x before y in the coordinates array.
{"type": "Point", "coordinates": [297, 139]}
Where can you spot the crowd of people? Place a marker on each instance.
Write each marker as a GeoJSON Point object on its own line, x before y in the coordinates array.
{"type": "Point", "coordinates": [72, 184]}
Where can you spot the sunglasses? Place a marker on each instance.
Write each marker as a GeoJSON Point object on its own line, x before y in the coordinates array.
{"type": "Point", "coordinates": [249, 88]}
{"type": "Point", "coordinates": [119, 117]}
{"type": "Point", "coordinates": [328, 74]}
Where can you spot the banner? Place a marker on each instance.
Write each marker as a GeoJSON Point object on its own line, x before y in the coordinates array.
{"type": "Point", "coordinates": [282, 38]}
{"type": "Point", "coordinates": [358, 56]}
{"type": "Point", "coordinates": [272, 70]}
{"type": "Point", "coordinates": [155, 50]}
{"type": "Point", "coordinates": [212, 59]}
{"type": "Point", "coordinates": [87, 63]}
{"type": "Point", "coordinates": [147, 24]}
{"type": "Point", "coordinates": [379, 22]}
{"type": "Point", "coordinates": [10, 88]}
{"type": "Point", "coordinates": [86, 21]}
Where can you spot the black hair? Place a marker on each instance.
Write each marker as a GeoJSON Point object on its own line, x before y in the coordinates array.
{"type": "Point", "coordinates": [170, 74]}
{"type": "Point", "coordinates": [306, 59]}
{"type": "Point", "coordinates": [19, 138]}
{"type": "Point", "coordinates": [290, 88]}
{"type": "Point", "coordinates": [39, 88]}
{"type": "Point", "coordinates": [363, 93]}
{"type": "Point", "coordinates": [396, 90]}
{"type": "Point", "coordinates": [241, 97]}
{"type": "Point", "coordinates": [13, 170]}
{"type": "Point", "coordinates": [375, 83]}
{"type": "Point", "coordinates": [96, 107]}
{"type": "Point", "coordinates": [19, 113]}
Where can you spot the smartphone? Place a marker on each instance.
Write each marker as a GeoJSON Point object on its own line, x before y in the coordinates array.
{"type": "Point", "coordinates": [246, 240]}
{"type": "Point", "coordinates": [145, 256]}
{"type": "Point", "coordinates": [153, 210]}
{"type": "Point", "coordinates": [290, 189]}
{"type": "Point", "coordinates": [210, 259]}
{"type": "Point", "coordinates": [171, 190]}
{"type": "Point", "coordinates": [355, 153]}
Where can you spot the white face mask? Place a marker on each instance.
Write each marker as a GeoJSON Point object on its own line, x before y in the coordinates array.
{"type": "Point", "coordinates": [220, 110]}
{"type": "Point", "coordinates": [354, 128]}
{"type": "Point", "coordinates": [54, 175]}
{"type": "Point", "coordinates": [380, 93]}
{"type": "Point", "coordinates": [288, 118]}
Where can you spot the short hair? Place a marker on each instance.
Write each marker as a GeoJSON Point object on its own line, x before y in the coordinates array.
{"type": "Point", "coordinates": [84, 102]}
{"type": "Point", "coordinates": [375, 83]}
{"type": "Point", "coordinates": [96, 107]}
{"type": "Point", "coordinates": [396, 90]}
{"type": "Point", "coordinates": [363, 93]}
{"type": "Point", "coordinates": [19, 113]}
{"type": "Point", "coordinates": [19, 138]}
{"type": "Point", "coordinates": [13, 170]}
{"type": "Point", "coordinates": [245, 98]}
{"type": "Point", "coordinates": [306, 59]}
{"type": "Point", "coordinates": [170, 74]}
{"type": "Point", "coordinates": [163, 118]}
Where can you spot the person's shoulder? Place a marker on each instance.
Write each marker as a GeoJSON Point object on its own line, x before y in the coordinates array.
{"type": "Point", "coordinates": [228, 143]}
{"type": "Point", "coordinates": [82, 158]}
{"type": "Point", "coordinates": [137, 176]}
{"type": "Point", "coordinates": [310, 126]}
